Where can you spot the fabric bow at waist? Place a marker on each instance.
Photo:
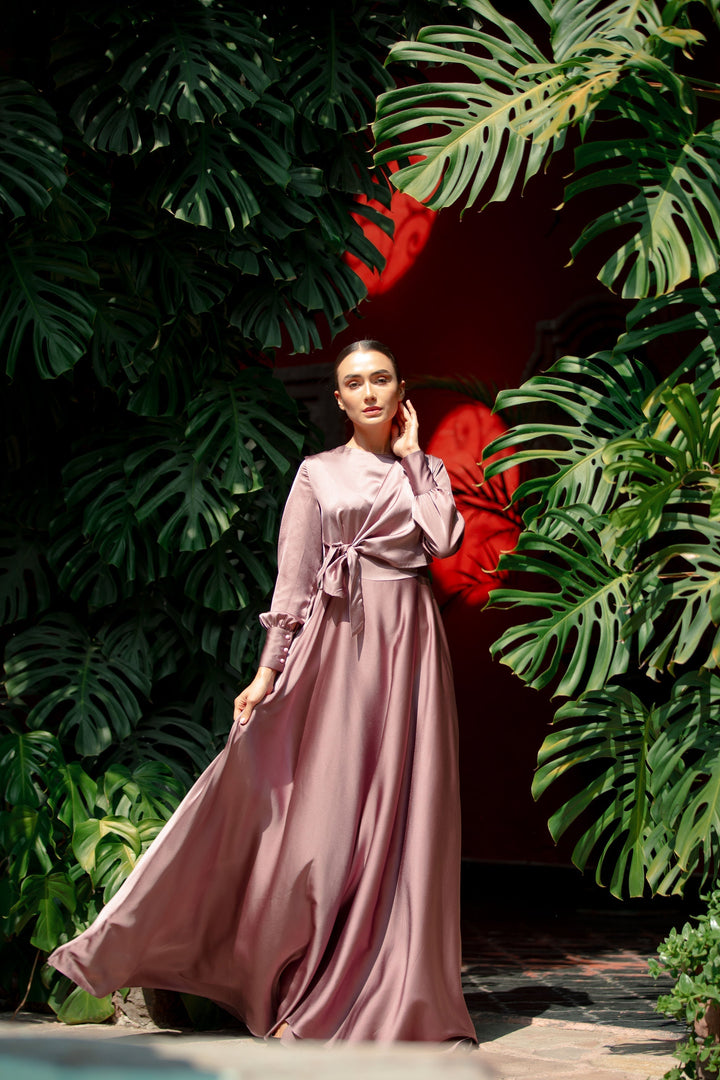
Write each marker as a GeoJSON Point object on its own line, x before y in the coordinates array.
{"type": "Point", "coordinates": [340, 576]}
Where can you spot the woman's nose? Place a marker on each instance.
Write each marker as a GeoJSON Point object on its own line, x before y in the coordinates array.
{"type": "Point", "coordinates": [369, 392]}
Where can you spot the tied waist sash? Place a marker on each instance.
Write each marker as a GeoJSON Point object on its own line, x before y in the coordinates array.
{"type": "Point", "coordinates": [341, 575]}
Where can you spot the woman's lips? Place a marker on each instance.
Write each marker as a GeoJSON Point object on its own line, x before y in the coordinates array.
{"type": "Point", "coordinates": [371, 409]}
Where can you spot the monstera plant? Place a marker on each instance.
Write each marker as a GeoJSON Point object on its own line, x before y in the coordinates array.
{"type": "Point", "coordinates": [178, 189]}
{"type": "Point", "coordinates": [617, 572]}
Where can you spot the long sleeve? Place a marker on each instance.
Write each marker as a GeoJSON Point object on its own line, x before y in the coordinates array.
{"type": "Point", "coordinates": [299, 559]}
{"type": "Point", "coordinates": [434, 507]}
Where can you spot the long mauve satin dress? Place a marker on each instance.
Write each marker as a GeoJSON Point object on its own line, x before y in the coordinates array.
{"type": "Point", "coordinates": [311, 875]}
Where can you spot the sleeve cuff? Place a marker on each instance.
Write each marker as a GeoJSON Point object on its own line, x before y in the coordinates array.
{"type": "Point", "coordinates": [417, 469]}
{"type": "Point", "coordinates": [275, 649]}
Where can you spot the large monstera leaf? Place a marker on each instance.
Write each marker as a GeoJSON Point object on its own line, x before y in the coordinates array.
{"type": "Point", "coordinates": [677, 590]}
{"type": "Point", "coordinates": [236, 428]}
{"type": "Point", "coordinates": [675, 171]}
{"type": "Point", "coordinates": [579, 642]}
{"type": "Point", "coordinates": [679, 454]}
{"type": "Point", "coordinates": [99, 495]}
{"type": "Point", "coordinates": [45, 895]}
{"type": "Point", "coordinates": [520, 103]}
{"type": "Point", "coordinates": [175, 494]}
{"type": "Point", "coordinates": [210, 189]}
{"type": "Point", "coordinates": [597, 398]}
{"type": "Point", "coordinates": [647, 804]}
{"type": "Point", "coordinates": [694, 310]}
{"type": "Point", "coordinates": [685, 780]}
{"type": "Point", "coordinates": [46, 310]}
{"type": "Point", "coordinates": [480, 139]}
{"type": "Point", "coordinates": [189, 67]}
{"type": "Point", "coordinates": [607, 734]}
{"type": "Point", "coordinates": [25, 587]}
{"type": "Point", "coordinates": [25, 758]}
{"type": "Point", "coordinates": [328, 81]}
{"type": "Point", "coordinates": [218, 578]}
{"type": "Point", "coordinates": [478, 121]}
{"type": "Point", "coordinates": [32, 164]}
{"type": "Point", "coordinates": [78, 687]}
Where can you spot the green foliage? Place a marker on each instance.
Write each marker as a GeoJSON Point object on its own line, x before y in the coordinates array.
{"type": "Point", "coordinates": [620, 521]}
{"type": "Point", "coordinates": [31, 161]}
{"type": "Point", "coordinates": [691, 956]}
{"type": "Point", "coordinates": [627, 63]}
{"type": "Point", "coordinates": [177, 189]}
{"type": "Point", "coordinates": [616, 575]}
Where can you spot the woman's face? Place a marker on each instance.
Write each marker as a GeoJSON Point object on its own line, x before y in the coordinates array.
{"type": "Point", "coordinates": [368, 388]}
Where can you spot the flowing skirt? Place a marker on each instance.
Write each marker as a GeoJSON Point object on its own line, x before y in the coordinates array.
{"type": "Point", "coordinates": [311, 875]}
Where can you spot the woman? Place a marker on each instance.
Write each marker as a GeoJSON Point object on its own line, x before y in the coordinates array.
{"type": "Point", "coordinates": [309, 882]}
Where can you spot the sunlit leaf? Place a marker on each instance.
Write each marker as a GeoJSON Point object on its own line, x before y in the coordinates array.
{"type": "Point", "coordinates": [474, 124]}
{"type": "Point", "coordinates": [598, 398]}
{"type": "Point", "coordinates": [580, 642]}
{"type": "Point", "coordinates": [607, 735]}
{"type": "Point", "coordinates": [82, 1008]}
{"type": "Point", "coordinates": [675, 173]}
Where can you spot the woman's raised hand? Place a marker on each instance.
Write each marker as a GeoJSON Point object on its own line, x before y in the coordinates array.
{"type": "Point", "coordinates": [253, 694]}
{"type": "Point", "coordinates": [404, 431]}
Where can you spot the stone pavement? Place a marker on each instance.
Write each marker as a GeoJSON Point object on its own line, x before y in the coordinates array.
{"type": "Point", "coordinates": [36, 1048]}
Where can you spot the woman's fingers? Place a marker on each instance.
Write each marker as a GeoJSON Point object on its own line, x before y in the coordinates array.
{"type": "Point", "coordinates": [244, 706]}
{"type": "Point", "coordinates": [252, 695]}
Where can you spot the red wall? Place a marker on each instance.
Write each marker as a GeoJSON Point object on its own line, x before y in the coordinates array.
{"type": "Point", "coordinates": [470, 304]}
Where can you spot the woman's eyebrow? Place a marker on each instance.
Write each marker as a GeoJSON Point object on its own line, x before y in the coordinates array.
{"type": "Point", "coordinates": [380, 371]}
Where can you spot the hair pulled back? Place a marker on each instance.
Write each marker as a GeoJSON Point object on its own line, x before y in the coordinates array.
{"type": "Point", "coordinates": [366, 345]}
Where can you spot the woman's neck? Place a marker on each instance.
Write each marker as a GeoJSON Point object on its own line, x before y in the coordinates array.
{"type": "Point", "coordinates": [376, 441]}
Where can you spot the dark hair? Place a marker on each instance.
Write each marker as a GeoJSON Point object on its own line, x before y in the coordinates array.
{"type": "Point", "coordinates": [366, 345]}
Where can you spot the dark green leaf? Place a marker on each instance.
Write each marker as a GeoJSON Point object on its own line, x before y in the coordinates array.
{"type": "Point", "coordinates": [43, 304]}
{"type": "Point", "coordinates": [80, 571]}
{"type": "Point", "coordinates": [46, 895]}
{"type": "Point", "coordinates": [80, 688]}
{"type": "Point", "coordinates": [24, 577]}
{"type": "Point", "coordinates": [168, 481]}
{"type": "Point", "coordinates": [610, 742]}
{"type": "Point", "coordinates": [675, 172]}
{"type": "Point", "coordinates": [25, 758]}
{"type": "Point", "coordinates": [171, 738]}
{"type": "Point", "coordinates": [580, 641]}
{"type": "Point", "coordinates": [233, 429]}
{"type": "Point", "coordinates": [332, 83]}
{"type": "Point", "coordinates": [32, 165]}
{"type": "Point", "coordinates": [210, 190]}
